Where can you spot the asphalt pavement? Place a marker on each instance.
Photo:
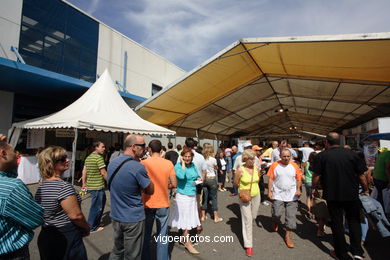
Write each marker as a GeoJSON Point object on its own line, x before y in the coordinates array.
{"type": "Point", "coordinates": [224, 240]}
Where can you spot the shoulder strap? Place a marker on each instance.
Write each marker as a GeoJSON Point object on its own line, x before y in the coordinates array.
{"type": "Point", "coordinates": [115, 172]}
{"type": "Point", "coordinates": [243, 170]}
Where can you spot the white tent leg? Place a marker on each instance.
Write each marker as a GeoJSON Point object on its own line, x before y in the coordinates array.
{"type": "Point", "coordinates": [74, 147]}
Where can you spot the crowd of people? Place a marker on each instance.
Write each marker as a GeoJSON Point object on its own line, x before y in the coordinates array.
{"type": "Point", "coordinates": [143, 180]}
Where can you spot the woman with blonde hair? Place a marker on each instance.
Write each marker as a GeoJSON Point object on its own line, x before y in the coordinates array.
{"type": "Point", "coordinates": [247, 178]}
{"type": "Point", "coordinates": [210, 185]}
{"type": "Point", "coordinates": [64, 223]}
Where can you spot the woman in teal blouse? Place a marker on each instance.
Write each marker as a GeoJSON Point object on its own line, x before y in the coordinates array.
{"type": "Point", "coordinates": [186, 216]}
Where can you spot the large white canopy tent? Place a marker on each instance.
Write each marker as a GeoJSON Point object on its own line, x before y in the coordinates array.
{"type": "Point", "coordinates": [322, 83]}
{"type": "Point", "coordinates": [101, 108]}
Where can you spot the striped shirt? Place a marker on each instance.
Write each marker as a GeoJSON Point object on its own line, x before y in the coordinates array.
{"type": "Point", "coordinates": [19, 214]}
{"type": "Point", "coordinates": [49, 195]}
{"type": "Point", "coordinates": [93, 164]}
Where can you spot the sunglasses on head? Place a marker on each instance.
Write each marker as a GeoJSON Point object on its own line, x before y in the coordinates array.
{"type": "Point", "coordinates": [62, 159]}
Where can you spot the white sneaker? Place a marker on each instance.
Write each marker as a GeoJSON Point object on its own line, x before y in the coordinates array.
{"type": "Point", "coordinates": [265, 203]}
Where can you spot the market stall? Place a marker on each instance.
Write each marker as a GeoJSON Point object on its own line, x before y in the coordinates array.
{"type": "Point", "coordinates": [101, 108]}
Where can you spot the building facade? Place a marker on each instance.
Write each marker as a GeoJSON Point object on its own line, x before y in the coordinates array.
{"type": "Point", "coordinates": [51, 52]}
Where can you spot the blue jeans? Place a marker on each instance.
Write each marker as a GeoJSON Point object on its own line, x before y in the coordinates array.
{"type": "Point", "coordinates": [161, 215]}
{"type": "Point", "coordinates": [98, 201]}
{"type": "Point", "coordinates": [234, 188]}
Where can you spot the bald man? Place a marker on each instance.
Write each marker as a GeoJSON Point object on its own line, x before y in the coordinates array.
{"type": "Point", "coordinates": [127, 179]}
{"type": "Point", "coordinates": [284, 189]}
{"type": "Point", "coordinates": [340, 171]}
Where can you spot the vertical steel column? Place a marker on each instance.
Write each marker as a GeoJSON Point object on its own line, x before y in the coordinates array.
{"type": "Point", "coordinates": [74, 148]}
{"type": "Point", "coordinates": [125, 72]}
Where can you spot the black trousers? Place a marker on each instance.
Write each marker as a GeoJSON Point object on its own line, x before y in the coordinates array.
{"type": "Point", "coordinates": [61, 243]}
{"type": "Point", "coordinates": [20, 254]}
{"type": "Point", "coordinates": [380, 186]}
{"type": "Point", "coordinates": [352, 215]}
{"type": "Point", "coordinates": [262, 189]}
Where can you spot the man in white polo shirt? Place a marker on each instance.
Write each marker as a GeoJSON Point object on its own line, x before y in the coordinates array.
{"type": "Point", "coordinates": [284, 189]}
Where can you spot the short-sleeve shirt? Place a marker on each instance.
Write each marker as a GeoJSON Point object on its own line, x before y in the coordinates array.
{"type": "Point", "coordinates": [159, 170]}
{"type": "Point", "coordinates": [209, 166]}
{"type": "Point", "coordinates": [306, 151]}
{"type": "Point", "coordinates": [49, 195]}
{"type": "Point", "coordinates": [125, 190]}
{"type": "Point", "coordinates": [198, 161]}
{"type": "Point", "coordinates": [308, 173]}
{"type": "Point", "coordinates": [380, 166]}
{"type": "Point", "coordinates": [285, 179]}
{"type": "Point", "coordinates": [93, 164]}
{"type": "Point", "coordinates": [339, 171]}
{"type": "Point", "coordinates": [268, 152]}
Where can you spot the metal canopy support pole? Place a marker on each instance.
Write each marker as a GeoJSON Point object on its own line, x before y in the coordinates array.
{"type": "Point", "coordinates": [74, 147]}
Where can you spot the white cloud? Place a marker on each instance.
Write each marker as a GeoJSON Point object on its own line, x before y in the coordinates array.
{"type": "Point", "coordinates": [188, 32]}
{"type": "Point", "coordinates": [93, 6]}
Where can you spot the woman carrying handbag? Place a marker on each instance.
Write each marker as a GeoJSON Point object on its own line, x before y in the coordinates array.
{"type": "Point", "coordinates": [247, 179]}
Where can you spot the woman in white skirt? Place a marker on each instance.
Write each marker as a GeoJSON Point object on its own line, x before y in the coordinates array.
{"type": "Point", "coordinates": [185, 215]}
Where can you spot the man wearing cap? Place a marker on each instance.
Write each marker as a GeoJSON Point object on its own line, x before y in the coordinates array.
{"type": "Point", "coordinates": [258, 152]}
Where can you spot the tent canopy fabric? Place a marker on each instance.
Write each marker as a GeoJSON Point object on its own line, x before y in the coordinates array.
{"type": "Point", "coordinates": [101, 108]}
{"type": "Point", "coordinates": [323, 83]}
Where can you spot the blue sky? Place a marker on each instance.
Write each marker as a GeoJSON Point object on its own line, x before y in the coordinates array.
{"type": "Point", "coordinates": [188, 32]}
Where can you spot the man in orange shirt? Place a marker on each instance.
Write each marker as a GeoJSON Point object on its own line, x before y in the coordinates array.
{"type": "Point", "coordinates": [284, 189]}
{"type": "Point", "coordinates": [162, 175]}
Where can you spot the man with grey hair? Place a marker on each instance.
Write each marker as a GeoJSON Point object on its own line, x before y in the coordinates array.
{"type": "Point", "coordinates": [284, 189]}
{"type": "Point", "coordinates": [339, 170]}
{"type": "Point", "coordinates": [127, 179]}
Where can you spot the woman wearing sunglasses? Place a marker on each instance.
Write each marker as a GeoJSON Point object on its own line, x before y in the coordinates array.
{"type": "Point", "coordinates": [64, 223]}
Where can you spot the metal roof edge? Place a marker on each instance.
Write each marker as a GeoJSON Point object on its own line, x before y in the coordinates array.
{"type": "Point", "coordinates": [189, 74]}
{"type": "Point", "coordinates": [318, 38]}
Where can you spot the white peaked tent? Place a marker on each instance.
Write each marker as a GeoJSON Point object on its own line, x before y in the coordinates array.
{"type": "Point", "coordinates": [101, 108]}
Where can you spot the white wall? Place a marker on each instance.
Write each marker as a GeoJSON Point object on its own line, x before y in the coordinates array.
{"type": "Point", "coordinates": [143, 66]}
{"type": "Point", "coordinates": [384, 127]}
{"type": "Point", "coordinates": [10, 17]}
{"type": "Point", "coordinates": [6, 108]}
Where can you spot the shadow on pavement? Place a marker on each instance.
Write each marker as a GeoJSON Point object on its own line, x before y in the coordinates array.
{"type": "Point", "coordinates": [106, 219]}
{"type": "Point", "coordinates": [235, 223]}
{"type": "Point", "coordinates": [376, 246]}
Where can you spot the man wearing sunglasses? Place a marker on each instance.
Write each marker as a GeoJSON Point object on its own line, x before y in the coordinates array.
{"type": "Point", "coordinates": [127, 179]}
{"type": "Point", "coordinates": [94, 175]}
